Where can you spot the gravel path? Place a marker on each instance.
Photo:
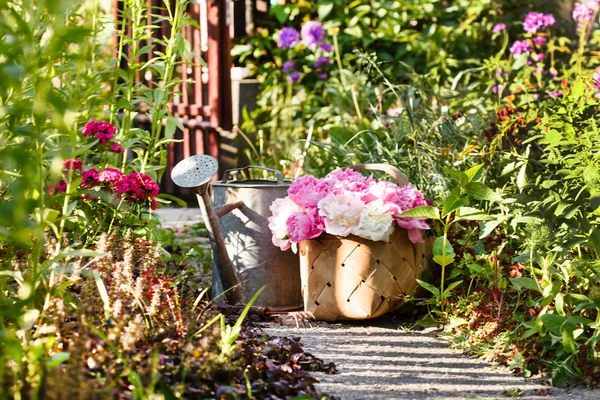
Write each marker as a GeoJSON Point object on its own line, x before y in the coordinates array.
{"type": "Point", "coordinates": [376, 360]}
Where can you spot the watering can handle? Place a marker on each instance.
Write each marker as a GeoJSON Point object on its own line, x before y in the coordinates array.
{"type": "Point", "coordinates": [393, 171]}
{"type": "Point", "coordinates": [226, 175]}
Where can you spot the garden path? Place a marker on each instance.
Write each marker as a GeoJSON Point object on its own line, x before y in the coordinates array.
{"type": "Point", "coordinates": [378, 360]}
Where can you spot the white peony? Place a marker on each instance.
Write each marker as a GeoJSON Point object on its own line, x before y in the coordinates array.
{"type": "Point", "coordinates": [377, 222]}
{"type": "Point", "coordinates": [342, 213]}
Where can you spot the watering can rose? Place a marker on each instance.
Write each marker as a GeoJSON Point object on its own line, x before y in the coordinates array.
{"type": "Point", "coordinates": [344, 203]}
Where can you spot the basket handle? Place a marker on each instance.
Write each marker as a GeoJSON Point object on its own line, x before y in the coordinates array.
{"type": "Point", "coordinates": [226, 175]}
{"type": "Point", "coordinates": [388, 169]}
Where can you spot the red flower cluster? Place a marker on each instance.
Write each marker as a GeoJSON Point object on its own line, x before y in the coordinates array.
{"type": "Point", "coordinates": [73, 163]}
{"type": "Point", "coordinates": [104, 132]}
{"type": "Point", "coordinates": [137, 186]}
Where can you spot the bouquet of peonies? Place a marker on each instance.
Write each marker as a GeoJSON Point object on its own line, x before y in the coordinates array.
{"type": "Point", "coordinates": [343, 203]}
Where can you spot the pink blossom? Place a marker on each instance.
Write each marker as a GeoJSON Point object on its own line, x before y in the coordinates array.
{"type": "Point", "coordinates": [596, 79]}
{"type": "Point", "coordinates": [301, 226]}
{"type": "Point", "coordinates": [281, 210]}
{"type": "Point", "coordinates": [497, 89]}
{"type": "Point", "coordinates": [520, 46]}
{"type": "Point", "coordinates": [137, 186]}
{"type": "Point", "coordinates": [539, 40]}
{"type": "Point", "coordinates": [499, 28]}
{"type": "Point", "coordinates": [117, 148]}
{"type": "Point", "coordinates": [89, 178]}
{"type": "Point", "coordinates": [342, 213]}
{"type": "Point", "coordinates": [103, 131]}
{"type": "Point", "coordinates": [347, 180]}
{"type": "Point", "coordinates": [58, 187]}
{"type": "Point", "coordinates": [73, 163]}
{"type": "Point", "coordinates": [110, 176]}
{"type": "Point", "coordinates": [307, 191]}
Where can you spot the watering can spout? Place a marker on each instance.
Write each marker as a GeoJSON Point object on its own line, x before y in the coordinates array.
{"type": "Point", "coordinates": [195, 173]}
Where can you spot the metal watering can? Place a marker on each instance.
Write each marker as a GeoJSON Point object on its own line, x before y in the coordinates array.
{"type": "Point", "coordinates": [244, 257]}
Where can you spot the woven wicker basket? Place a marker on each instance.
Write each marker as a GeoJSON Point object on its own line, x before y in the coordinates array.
{"type": "Point", "coordinates": [349, 278]}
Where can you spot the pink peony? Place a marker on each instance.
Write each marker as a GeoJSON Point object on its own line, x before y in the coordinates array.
{"type": "Point", "coordinates": [342, 181]}
{"type": "Point", "coordinates": [301, 226]}
{"type": "Point", "coordinates": [307, 191]}
{"type": "Point", "coordinates": [281, 210]}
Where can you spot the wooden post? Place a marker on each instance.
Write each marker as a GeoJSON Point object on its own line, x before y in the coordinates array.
{"type": "Point", "coordinates": [219, 71]}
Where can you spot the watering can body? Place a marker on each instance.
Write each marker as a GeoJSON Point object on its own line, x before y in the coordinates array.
{"type": "Point", "coordinates": [248, 241]}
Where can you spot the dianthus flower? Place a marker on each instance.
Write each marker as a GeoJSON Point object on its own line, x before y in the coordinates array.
{"type": "Point", "coordinates": [103, 131]}
{"type": "Point", "coordinates": [499, 28]}
{"type": "Point", "coordinates": [535, 21]}
{"type": "Point", "coordinates": [520, 46]}
{"type": "Point", "coordinates": [137, 186]}
{"type": "Point", "coordinates": [117, 148]}
{"type": "Point", "coordinates": [288, 66]}
{"type": "Point", "coordinates": [58, 187]}
{"type": "Point", "coordinates": [110, 176]}
{"type": "Point", "coordinates": [73, 163]}
{"type": "Point", "coordinates": [287, 38]}
{"type": "Point", "coordinates": [89, 178]}
{"type": "Point", "coordinates": [539, 40]}
{"type": "Point", "coordinates": [312, 33]}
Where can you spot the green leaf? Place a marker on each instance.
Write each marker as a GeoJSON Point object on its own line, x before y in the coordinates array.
{"type": "Point", "coordinates": [480, 191]}
{"type": "Point", "coordinates": [488, 227]}
{"type": "Point", "coordinates": [520, 62]}
{"type": "Point", "coordinates": [474, 173]}
{"type": "Point", "coordinates": [553, 322]}
{"type": "Point", "coordinates": [429, 287]}
{"type": "Point", "coordinates": [472, 214]}
{"type": "Point", "coordinates": [456, 322]}
{"type": "Point", "coordinates": [438, 248]}
{"type": "Point", "coordinates": [522, 176]}
{"type": "Point", "coordinates": [324, 8]}
{"type": "Point", "coordinates": [175, 199]}
{"type": "Point", "coordinates": [526, 283]}
{"type": "Point", "coordinates": [451, 286]}
{"type": "Point", "coordinates": [443, 261]}
{"type": "Point", "coordinates": [103, 292]}
{"type": "Point", "coordinates": [422, 212]}
{"type": "Point", "coordinates": [453, 202]}
{"type": "Point", "coordinates": [568, 338]}
{"type": "Point", "coordinates": [559, 304]}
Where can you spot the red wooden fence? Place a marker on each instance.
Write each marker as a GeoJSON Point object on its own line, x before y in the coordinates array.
{"type": "Point", "coordinates": [204, 105]}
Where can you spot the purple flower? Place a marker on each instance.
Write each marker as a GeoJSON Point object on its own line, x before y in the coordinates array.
{"type": "Point", "coordinates": [553, 73]}
{"type": "Point", "coordinates": [323, 76]}
{"type": "Point", "coordinates": [294, 77]}
{"type": "Point", "coordinates": [537, 69]}
{"type": "Point", "coordinates": [326, 47]}
{"type": "Point", "coordinates": [520, 46]}
{"type": "Point", "coordinates": [554, 94]}
{"type": "Point", "coordinates": [321, 62]}
{"type": "Point", "coordinates": [536, 96]}
{"type": "Point", "coordinates": [497, 89]}
{"type": "Point", "coordinates": [288, 66]}
{"type": "Point", "coordinates": [583, 13]}
{"type": "Point", "coordinates": [535, 21]}
{"type": "Point", "coordinates": [539, 40]}
{"type": "Point", "coordinates": [288, 38]}
{"type": "Point", "coordinates": [498, 28]}
{"type": "Point", "coordinates": [312, 33]}
{"type": "Point", "coordinates": [538, 56]}
{"type": "Point", "coordinates": [596, 79]}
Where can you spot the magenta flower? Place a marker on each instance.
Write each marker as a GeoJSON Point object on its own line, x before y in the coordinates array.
{"type": "Point", "coordinates": [287, 38]}
{"type": "Point", "coordinates": [89, 179]}
{"type": "Point", "coordinates": [537, 56]}
{"type": "Point", "coordinates": [583, 13]}
{"type": "Point", "coordinates": [499, 28]}
{"type": "Point", "coordinates": [497, 89]}
{"type": "Point", "coordinates": [110, 176]}
{"type": "Point", "coordinates": [117, 148]}
{"type": "Point", "coordinates": [103, 131]}
{"type": "Point", "coordinates": [323, 76]}
{"type": "Point", "coordinates": [321, 62]}
{"type": "Point", "coordinates": [539, 40]}
{"type": "Point", "coordinates": [535, 21]}
{"type": "Point", "coordinates": [288, 66]}
{"type": "Point", "coordinates": [294, 77]}
{"type": "Point", "coordinates": [520, 46]}
{"type": "Point", "coordinates": [73, 163]}
{"type": "Point", "coordinates": [137, 186]}
{"type": "Point", "coordinates": [554, 94]}
{"type": "Point", "coordinates": [312, 33]}
{"type": "Point", "coordinates": [58, 187]}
